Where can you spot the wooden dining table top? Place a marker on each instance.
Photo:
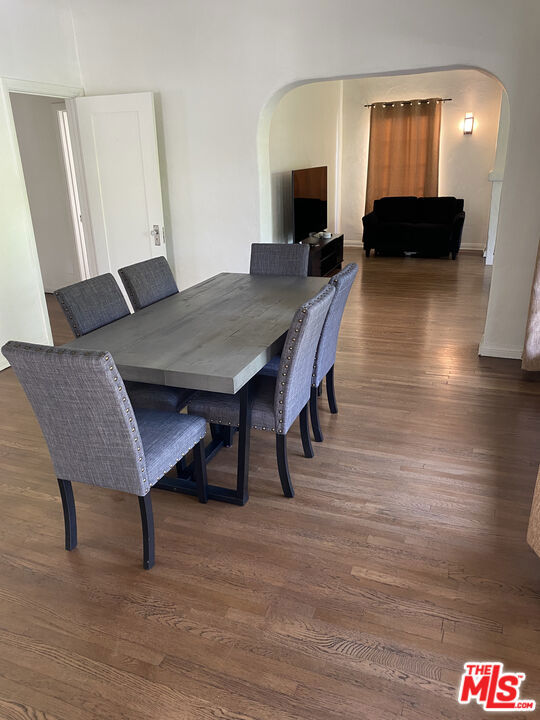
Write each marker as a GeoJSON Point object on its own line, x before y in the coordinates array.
{"type": "Point", "coordinates": [213, 336]}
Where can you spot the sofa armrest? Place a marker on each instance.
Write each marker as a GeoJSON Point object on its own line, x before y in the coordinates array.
{"type": "Point", "coordinates": [370, 223]}
{"type": "Point", "coordinates": [369, 220]}
{"type": "Point", "coordinates": [457, 229]}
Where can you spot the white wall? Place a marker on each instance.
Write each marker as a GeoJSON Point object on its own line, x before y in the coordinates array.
{"type": "Point", "coordinates": [465, 161]}
{"type": "Point", "coordinates": [304, 133]}
{"type": "Point", "coordinates": [221, 67]}
{"type": "Point", "coordinates": [517, 237]}
{"type": "Point", "coordinates": [45, 178]}
{"type": "Point", "coordinates": [36, 43]}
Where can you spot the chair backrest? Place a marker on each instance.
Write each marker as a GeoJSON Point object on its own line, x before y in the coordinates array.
{"type": "Point", "coordinates": [148, 282]}
{"type": "Point", "coordinates": [326, 352]}
{"type": "Point", "coordinates": [293, 384]}
{"type": "Point", "coordinates": [84, 413]}
{"type": "Point", "coordinates": [279, 259]}
{"type": "Point", "coordinates": [90, 304]}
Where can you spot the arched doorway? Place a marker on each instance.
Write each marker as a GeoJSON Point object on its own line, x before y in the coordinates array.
{"type": "Point", "coordinates": [471, 167]}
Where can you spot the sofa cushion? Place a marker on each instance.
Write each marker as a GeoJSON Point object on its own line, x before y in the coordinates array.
{"type": "Point", "coordinates": [396, 209]}
{"type": "Point", "coordinates": [430, 237]}
{"type": "Point", "coordinates": [394, 233]}
{"type": "Point", "coordinates": [437, 209]}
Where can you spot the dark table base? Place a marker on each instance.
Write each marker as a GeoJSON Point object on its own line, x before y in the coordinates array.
{"type": "Point", "coordinates": [221, 437]}
{"type": "Point", "coordinates": [187, 487]}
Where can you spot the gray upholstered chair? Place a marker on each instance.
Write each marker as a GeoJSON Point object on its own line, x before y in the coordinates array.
{"type": "Point", "coordinates": [277, 402]}
{"type": "Point", "coordinates": [326, 352]}
{"type": "Point", "coordinates": [279, 259]}
{"type": "Point", "coordinates": [148, 282]}
{"type": "Point", "coordinates": [94, 434]}
{"type": "Point", "coordinates": [91, 304]}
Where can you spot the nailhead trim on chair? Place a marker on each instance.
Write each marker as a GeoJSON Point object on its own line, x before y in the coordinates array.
{"type": "Point", "coordinates": [76, 329]}
{"type": "Point", "coordinates": [351, 268]}
{"type": "Point", "coordinates": [220, 421]}
{"type": "Point", "coordinates": [178, 459]}
{"type": "Point", "coordinates": [119, 388]}
{"type": "Point", "coordinates": [132, 427]}
{"type": "Point", "coordinates": [282, 381]}
{"type": "Point", "coordinates": [289, 357]}
{"type": "Point", "coordinates": [92, 303]}
{"type": "Point", "coordinates": [131, 419]}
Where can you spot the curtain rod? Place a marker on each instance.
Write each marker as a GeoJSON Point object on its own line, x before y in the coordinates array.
{"type": "Point", "coordinates": [407, 102]}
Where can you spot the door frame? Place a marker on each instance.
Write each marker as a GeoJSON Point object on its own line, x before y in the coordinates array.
{"type": "Point", "coordinates": [29, 87]}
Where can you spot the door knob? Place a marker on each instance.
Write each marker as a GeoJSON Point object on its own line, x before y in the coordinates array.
{"type": "Point", "coordinates": [155, 234]}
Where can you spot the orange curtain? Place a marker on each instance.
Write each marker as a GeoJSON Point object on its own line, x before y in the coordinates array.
{"type": "Point", "coordinates": [404, 149]}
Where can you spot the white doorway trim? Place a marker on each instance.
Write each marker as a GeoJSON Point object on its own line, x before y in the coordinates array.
{"type": "Point", "coordinates": [74, 194]}
{"type": "Point", "coordinates": [7, 85]}
{"type": "Point", "coordinates": [38, 88]}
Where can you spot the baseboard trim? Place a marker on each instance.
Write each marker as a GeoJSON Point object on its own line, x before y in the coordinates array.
{"type": "Point", "coordinates": [470, 248]}
{"type": "Point", "coordinates": [500, 352]}
{"type": "Point", "coordinates": [471, 251]}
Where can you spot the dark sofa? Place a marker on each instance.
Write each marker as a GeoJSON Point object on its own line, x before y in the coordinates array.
{"type": "Point", "coordinates": [429, 226]}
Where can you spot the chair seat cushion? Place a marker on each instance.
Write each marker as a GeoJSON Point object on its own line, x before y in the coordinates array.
{"type": "Point", "coordinates": [158, 397]}
{"type": "Point", "coordinates": [166, 437]}
{"type": "Point", "coordinates": [271, 368]}
{"type": "Point", "coordinates": [224, 409]}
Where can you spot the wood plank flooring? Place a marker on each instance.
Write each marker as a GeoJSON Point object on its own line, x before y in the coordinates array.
{"type": "Point", "coordinates": [402, 556]}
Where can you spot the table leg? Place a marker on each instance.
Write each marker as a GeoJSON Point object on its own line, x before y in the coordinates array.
{"type": "Point", "coordinates": [242, 472]}
{"type": "Point", "coordinates": [240, 495]}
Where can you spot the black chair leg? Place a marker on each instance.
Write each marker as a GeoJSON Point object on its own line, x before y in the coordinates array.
{"type": "Point", "coordinates": [70, 517]}
{"type": "Point", "coordinates": [199, 462]}
{"type": "Point", "coordinates": [330, 391]}
{"type": "Point", "coordinates": [304, 432]}
{"type": "Point", "coordinates": [314, 412]}
{"type": "Point", "coordinates": [283, 465]}
{"type": "Point", "coordinates": [147, 518]}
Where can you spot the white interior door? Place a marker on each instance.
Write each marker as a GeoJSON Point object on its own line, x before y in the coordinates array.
{"type": "Point", "coordinates": [120, 167]}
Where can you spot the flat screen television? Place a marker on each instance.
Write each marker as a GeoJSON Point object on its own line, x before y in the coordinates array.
{"type": "Point", "coordinates": [309, 188]}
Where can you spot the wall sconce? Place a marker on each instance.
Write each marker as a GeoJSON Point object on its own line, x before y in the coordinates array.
{"type": "Point", "coordinates": [468, 124]}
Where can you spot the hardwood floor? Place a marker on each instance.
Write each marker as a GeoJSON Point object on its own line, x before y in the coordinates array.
{"type": "Point", "coordinates": [402, 556]}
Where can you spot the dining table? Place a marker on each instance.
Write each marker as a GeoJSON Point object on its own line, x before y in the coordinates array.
{"type": "Point", "coordinates": [214, 336]}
